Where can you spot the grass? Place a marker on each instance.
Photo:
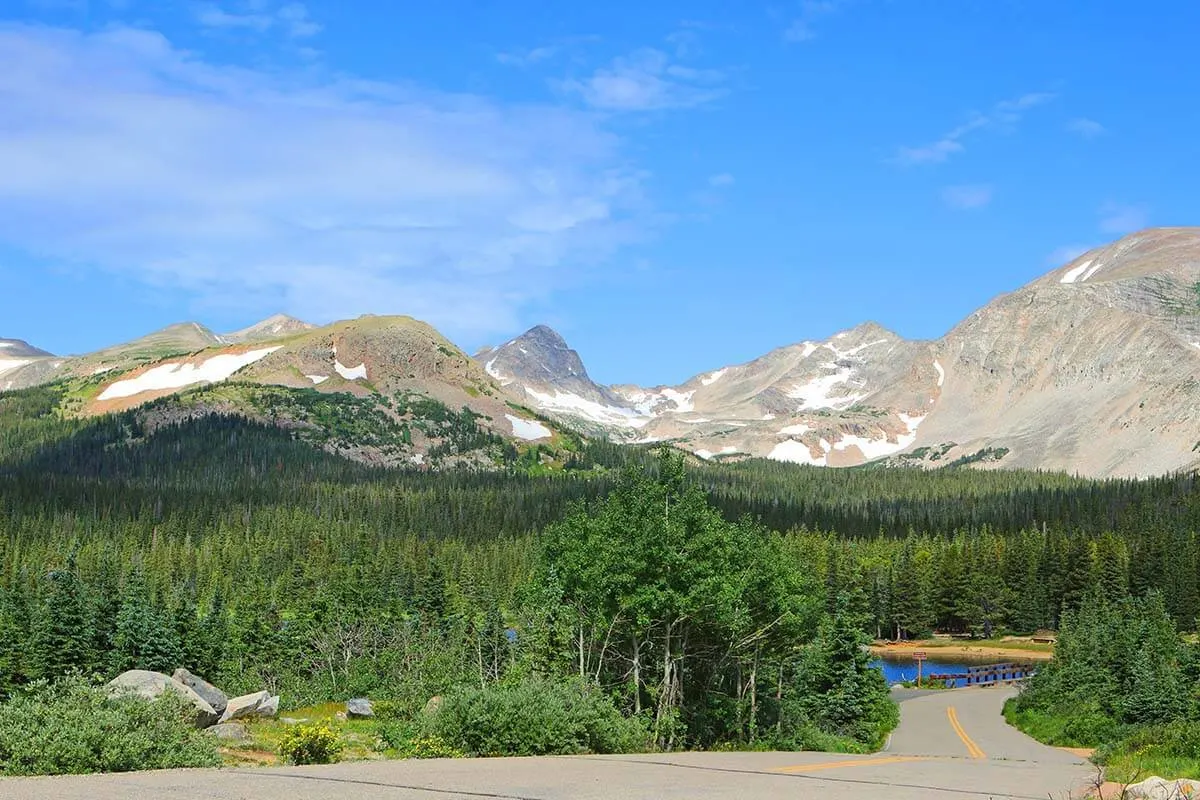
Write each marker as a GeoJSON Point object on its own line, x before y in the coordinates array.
{"type": "Point", "coordinates": [1133, 768]}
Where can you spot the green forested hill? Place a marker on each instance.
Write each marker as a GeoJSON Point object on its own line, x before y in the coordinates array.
{"type": "Point", "coordinates": [247, 552]}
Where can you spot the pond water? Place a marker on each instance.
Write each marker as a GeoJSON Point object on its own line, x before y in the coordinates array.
{"type": "Point", "coordinates": [900, 667]}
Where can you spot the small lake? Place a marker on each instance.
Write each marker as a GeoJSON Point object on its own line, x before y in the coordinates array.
{"type": "Point", "coordinates": [900, 667]}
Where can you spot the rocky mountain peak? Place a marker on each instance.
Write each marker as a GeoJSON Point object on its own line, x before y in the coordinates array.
{"type": "Point", "coordinates": [272, 327]}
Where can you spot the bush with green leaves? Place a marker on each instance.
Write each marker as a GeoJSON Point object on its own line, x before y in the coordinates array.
{"type": "Point", "coordinates": [405, 739]}
{"type": "Point", "coordinates": [74, 727]}
{"type": "Point", "coordinates": [317, 743]}
{"type": "Point", "coordinates": [535, 717]}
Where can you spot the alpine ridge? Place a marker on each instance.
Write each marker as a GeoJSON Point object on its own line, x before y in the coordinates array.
{"type": "Point", "coordinates": [1089, 369]}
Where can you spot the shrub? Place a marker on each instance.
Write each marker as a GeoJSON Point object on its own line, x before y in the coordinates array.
{"type": "Point", "coordinates": [535, 717]}
{"type": "Point", "coordinates": [73, 727]}
{"type": "Point", "coordinates": [310, 744]}
{"type": "Point", "coordinates": [405, 740]}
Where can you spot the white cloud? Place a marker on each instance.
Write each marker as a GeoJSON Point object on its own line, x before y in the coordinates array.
{"type": "Point", "coordinates": [646, 80]}
{"type": "Point", "coordinates": [967, 196]}
{"type": "Point", "coordinates": [292, 18]}
{"type": "Point", "coordinates": [325, 195]}
{"type": "Point", "coordinates": [721, 179]}
{"type": "Point", "coordinates": [1087, 128]}
{"type": "Point", "coordinates": [1121, 219]}
{"type": "Point", "coordinates": [1003, 115]}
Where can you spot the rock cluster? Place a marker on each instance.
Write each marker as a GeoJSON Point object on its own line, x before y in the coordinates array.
{"type": "Point", "coordinates": [1160, 789]}
{"type": "Point", "coordinates": [212, 706]}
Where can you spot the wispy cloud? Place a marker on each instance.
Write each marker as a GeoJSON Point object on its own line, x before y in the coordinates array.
{"type": "Point", "coordinates": [1119, 218]}
{"type": "Point", "coordinates": [802, 27]}
{"type": "Point", "coordinates": [291, 18]}
{"type": "Point", "coordinates": [1003, 115]}
{"type": "Point", "coordinates": [967, 196]}
{"type": "Point", "coordinates": [720, 179]}
{"type": "Point", "coordinates": [646, 80]}
{"type": "Point", "coordinates": [326, 195]}
{"type": "Point", "coordinates": [1087, 128]}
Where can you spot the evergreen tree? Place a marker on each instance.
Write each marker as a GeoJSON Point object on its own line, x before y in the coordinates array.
{"type": "Point", "coordinates": [144, 638]}
{"type": "Point", "coordinates": [61, 632]}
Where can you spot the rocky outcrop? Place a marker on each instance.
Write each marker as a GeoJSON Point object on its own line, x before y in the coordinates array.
{"type": "Point", "coordinates": [214, 696]}
{"type": "Point", "coordinates": [152, 685]}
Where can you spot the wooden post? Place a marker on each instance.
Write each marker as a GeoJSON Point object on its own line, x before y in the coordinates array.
{"type": "Point", "coordinates": [919, 657]}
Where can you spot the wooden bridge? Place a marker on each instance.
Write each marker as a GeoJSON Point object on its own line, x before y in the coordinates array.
{"type": "Point", "coordinates": [986, 675]}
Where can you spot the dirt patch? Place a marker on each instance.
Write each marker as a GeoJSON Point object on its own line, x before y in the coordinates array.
{"type": "Point", "coordinates": [971, 651]}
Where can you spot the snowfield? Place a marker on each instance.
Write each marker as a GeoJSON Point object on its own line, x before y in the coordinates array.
{"type": "Point", "coordinates": [177, 375]}
{"type": "Point", "coordinates": [490, 369]}
{"type": "Point", "coordinates": [317, 379]}
{"type": "Point", "coordinates": [819, 392]}
{"type": "Point", "coordinates": [941, 372]}
{"type": "Point", "coordinates": [714, 377]}
{"type": "Point", "coordinates": [795, 430]}
{"type": "Point", "coordinates": [528, 429]}
{"type": "Point", "coordinates": [724, 451]}
{"type": "Point", "coordinates": [1081, 272]}
{"type": "Point", "coordinates": [798, 453]}
{"type": "Point", "coordinates": [9, 364]}
{"type": "Point", "coordinates": [350, 373]}
{"type": "Point", "coordinates": [588, 409]}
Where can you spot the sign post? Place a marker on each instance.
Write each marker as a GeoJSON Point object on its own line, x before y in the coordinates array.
{"type": "Point", "coordinates": [919, 657]}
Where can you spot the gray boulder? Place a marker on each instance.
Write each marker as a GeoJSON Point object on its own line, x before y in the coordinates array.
{"type": "Point", "coordinates": [359, 708]}
{"type": "Point", "coordinates": [215, 697]}
{"type": "Point", "coordinates": [151, 685]}
{"type": "Point", "coordinates": [234, 732]}
{"type": "Point", "coordinates": [245, 706]}
{"type": "Point", "coordinates": [1159, 789]}
{"type": "Point", "coordinates": [268, 709]}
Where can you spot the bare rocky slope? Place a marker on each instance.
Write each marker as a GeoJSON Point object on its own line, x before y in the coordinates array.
{"type": "Point", "coordinates": [1092, 368]}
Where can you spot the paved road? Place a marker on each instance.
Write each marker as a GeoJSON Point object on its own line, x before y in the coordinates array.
{"type": "Point", "coordinates": [949, 745]}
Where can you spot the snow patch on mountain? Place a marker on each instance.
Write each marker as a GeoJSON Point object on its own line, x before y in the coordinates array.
{"type": "Point", "coordinates": [178, 375]}
{"type": "Point", "coordinates": [799, 453]}
{"type": "Point", "coordinates": [795, 430]}
{"type": "Point", "coordinates": [713, 377]}
{"type": "Point", "coordinates": [818, 392]}
{"type": "Point", "coordinates": [350, 373]}
{"type": "Point", "coordinates": [490, 369]}
{"type": "Point", "coordinates": [317, 379]}
{"type": "Point", "coordinates": [1074, 272]}
{"type": "Point", "coordinates": [588, 409]}
{"type": "Point", "coordinates": [528, 429]}
{"type": "Point", "coordinates": [937, 365]}
{"type": "Point", "coordinates": [724, 451]}
{"type": "Point", "coordinates": [9, 364]}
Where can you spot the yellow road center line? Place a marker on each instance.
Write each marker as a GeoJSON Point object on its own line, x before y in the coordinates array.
{"type": "Point", "coordinates": [857, 762]}
{"type": "Point", "coordinates": [972, 749]}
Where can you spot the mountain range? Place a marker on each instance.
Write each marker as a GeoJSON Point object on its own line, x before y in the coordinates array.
{"type": "Point", "coordinates": [1091, 368]}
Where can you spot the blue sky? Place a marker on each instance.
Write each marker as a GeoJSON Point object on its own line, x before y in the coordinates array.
{"type": "Point", "coordinates": [674, 186]}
